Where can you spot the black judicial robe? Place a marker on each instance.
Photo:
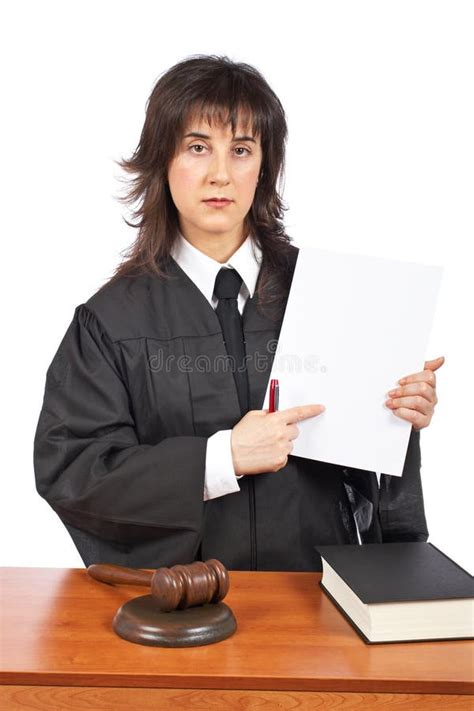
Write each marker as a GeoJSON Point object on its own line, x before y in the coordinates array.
{"type": "Point", "coordinates": [131, 397]}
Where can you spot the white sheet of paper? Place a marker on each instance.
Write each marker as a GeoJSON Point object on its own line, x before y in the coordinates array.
{"type": "Point", "coordinates": [353, 326]}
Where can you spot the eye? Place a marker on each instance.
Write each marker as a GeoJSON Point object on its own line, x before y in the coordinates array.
{"type": "Point", "coordinates": [237, 148]}
{"type": "Point", "coordinates": [242, 148]}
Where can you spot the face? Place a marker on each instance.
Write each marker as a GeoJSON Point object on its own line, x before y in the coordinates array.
{"type": "Point", "coordinates": [214, 164]}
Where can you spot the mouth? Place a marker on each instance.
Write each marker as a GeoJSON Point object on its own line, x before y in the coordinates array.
{"type": "Point", "coordinates": [215, 199]}
{"type": "Point", "coordinates": [218, 202]}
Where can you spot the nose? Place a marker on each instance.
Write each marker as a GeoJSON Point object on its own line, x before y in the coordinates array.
{"type": "Point", "coordinates": [219, 170]}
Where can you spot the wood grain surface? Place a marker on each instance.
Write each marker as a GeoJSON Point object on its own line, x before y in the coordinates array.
{"type": "Point", "coordinates": [57, 632]}
{"type": "Point", "coordinates": [59, 698]}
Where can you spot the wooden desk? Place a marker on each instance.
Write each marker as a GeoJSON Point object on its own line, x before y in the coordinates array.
{"type": "Point", "coordinates": [292, 649]}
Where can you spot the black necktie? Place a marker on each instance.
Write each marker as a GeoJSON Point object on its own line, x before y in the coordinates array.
{"type": "Point", "coordinates": [226, 289]}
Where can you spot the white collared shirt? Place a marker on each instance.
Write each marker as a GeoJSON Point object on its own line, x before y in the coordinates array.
{"type": "Point", "coordinates": [220, 477]}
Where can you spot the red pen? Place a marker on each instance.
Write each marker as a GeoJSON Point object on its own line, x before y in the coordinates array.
{"type": "Point", "coordinates": [274, 395]}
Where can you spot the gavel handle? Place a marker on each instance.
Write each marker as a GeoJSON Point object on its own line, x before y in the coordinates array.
{"type": "Point", "coordinates": [119, 575]}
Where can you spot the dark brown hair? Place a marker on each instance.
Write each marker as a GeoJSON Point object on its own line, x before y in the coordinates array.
{"type": "Point", "coordinates": [220, 90]}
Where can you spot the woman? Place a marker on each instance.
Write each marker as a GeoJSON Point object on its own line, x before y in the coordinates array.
{"type": "Point", "coordinates": [149, 450]}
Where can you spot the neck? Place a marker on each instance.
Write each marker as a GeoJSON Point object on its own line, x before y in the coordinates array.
{"type": "Point", "coordinates": [220, 247]}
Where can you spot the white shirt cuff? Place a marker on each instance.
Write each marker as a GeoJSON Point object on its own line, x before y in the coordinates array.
{"type": "Point", "coordinates": [219, 477]}
{"type": "Point", "coordinates": [378, 478]}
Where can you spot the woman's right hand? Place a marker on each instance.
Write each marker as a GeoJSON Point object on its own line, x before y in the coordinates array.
{"type": "Point", "coordinates": [262, 440]}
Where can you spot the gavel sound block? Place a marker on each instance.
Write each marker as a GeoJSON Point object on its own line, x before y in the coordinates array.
{"type": "Point", "coordinates": [183, 610]}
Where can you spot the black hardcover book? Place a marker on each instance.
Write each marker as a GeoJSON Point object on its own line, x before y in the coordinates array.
{"type": "Point", "coordinates": [399, 592]}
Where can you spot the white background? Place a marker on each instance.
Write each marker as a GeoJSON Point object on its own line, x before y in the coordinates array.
{"type": "Point", "coordinates": [379, 102]}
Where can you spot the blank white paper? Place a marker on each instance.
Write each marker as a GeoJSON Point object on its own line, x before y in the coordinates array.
{"type": "Point", "coordinates": [353, 326]}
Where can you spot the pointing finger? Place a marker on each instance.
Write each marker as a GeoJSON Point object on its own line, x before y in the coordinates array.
{"type": "Point", "coordinates": [301, 412]}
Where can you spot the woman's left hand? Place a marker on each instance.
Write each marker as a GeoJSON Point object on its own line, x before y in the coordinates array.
{"type": "Point", "coordinates": [416, 400]}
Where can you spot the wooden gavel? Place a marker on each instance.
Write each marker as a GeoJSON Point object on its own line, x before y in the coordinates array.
{"type": "Point", "coordinates": [175, 588]}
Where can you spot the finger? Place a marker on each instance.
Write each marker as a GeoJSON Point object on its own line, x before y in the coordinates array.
{"type": "Point", "coordinates": [416, 418]}
{"type": "Point", "coordinates": [426, 376]}
{"type": "Point", "coordinates": [434, 364]}
{"type": "Point", "coordinates": [427, 373]}
{"type": "Point", "coordinates": [419, 388]}
{"type": "Point", "coordinates": [417, 402]}
{"type": "Point", "coordinates": [292, 432]}
{"type": "Point", "coordinates": [301, 412]}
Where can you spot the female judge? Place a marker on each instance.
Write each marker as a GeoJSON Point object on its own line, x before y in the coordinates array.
{"type": "Point", "coordinates": [151, 444]}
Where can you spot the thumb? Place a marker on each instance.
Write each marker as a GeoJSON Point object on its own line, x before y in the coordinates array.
{"type": "Point", "coordinates": [434, 364]}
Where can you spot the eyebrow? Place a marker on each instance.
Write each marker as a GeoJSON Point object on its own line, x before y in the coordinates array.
{"type": "Point", "coordinates": [195, 134]}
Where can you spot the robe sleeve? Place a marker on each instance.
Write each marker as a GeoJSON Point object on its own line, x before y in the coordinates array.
{"type": "Point", "coordinates": [394, 509]}
{"type": "Point", "coordinates": [401, 504]}
{"type": "Point", "coordinates": [89, 465]}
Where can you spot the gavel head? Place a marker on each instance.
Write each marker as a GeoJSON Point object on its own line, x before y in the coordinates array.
{"type": "Point", "coordinates": [183, 586]}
